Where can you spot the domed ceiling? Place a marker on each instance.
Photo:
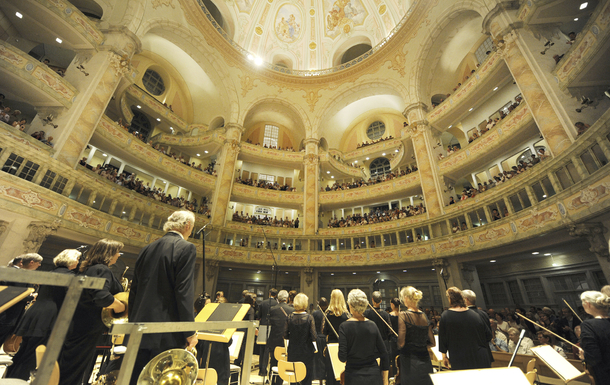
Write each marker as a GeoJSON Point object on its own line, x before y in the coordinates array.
{"type": "Point", "coordinates": [308, 34]}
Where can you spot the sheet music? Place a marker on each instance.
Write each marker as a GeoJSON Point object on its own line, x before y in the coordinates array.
{"type": "Point", "coordinates": [338, 366]}
{"type": "Point", "coordinates": [437, 353]}
{"type": "Point", "coordinates": [564, 369]}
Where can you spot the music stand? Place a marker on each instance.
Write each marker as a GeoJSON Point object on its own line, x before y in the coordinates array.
{"type": "Point", "coordinates": [221, 312]}
{"type": "Point", "coordinates": [562, 367]}
{"type": "Point", "coordinates": [10, 295]}
{"type": "Point", "coordinates": [513, 376]}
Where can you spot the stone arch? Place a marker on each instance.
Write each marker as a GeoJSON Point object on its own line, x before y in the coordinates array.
{"type": "Point", "coordinates": [427, 51]}
{"type": "Point", "coordinates": [353, 41]}
{"type": "Point", "coordinates": [300, 116]}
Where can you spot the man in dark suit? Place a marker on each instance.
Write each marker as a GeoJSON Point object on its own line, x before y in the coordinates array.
{"type": "Point", "coordinates": [163, 288]}
{"type": "Point", "coordinates": [470, 298]}
{"type": "Point", "coordinates": [380, 317]}
{"type": "Point", "coordinates": [277, 323]}
{"type": "Point", "coordinates": [263, 315]}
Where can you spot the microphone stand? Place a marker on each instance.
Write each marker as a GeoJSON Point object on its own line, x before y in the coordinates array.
{"type": "Point", "coordinates": [516, 347]}
{"type": "Point", "coordinates": [203, 257]}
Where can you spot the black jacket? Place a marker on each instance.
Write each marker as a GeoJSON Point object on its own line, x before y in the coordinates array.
{"type": "Point", "coordinates": [263, 310]}
{"type": "Point", "coordinates": [277, 320]}
{"type": "Point", "coordinates": [163, 289]}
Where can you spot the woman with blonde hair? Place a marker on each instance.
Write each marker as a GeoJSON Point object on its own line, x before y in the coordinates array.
{"type": "Point", "coordinates": [78, 353]}
{"type": "Point", "coordinates": [301, 333]}
{"type": "Point", "coordinates": [414, 337]}
{"type": "Point", "coordinates": [595, 336]}
{"type": "Point", "coordinates": [336, 313]}
{"type": "Point", "coordinates": [37, 323]}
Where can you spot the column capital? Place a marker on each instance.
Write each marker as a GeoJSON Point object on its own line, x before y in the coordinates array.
{"type": "Point", "coordinates": [496, 22]}
{"type": "Point", "coordinates": [594, 232]}
{"type": "Point", "coordinates": [415, 112]}
{"type": "Point", "coordinates": [308, 271]}
{"type": "Point", "coordinates": [39, 231]}
{"type": "Point", "coordinates": [442, 264]}
{"type": "Point", "coordinates": [122, 41]}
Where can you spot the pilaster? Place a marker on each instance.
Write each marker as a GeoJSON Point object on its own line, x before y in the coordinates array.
{"type": "Point", "coordinates": [211, 277]}
{"type": "Point", "coordinates": [312, 171]}
{"type": "Point", "coordinates": [595, 232]}
{"type": "Point", "coordinates": [226, 169]}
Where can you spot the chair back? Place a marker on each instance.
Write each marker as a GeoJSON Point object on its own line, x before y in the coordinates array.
{"type": "Point", "coordinates": [531, 377]}
{"type": "Point", "coordinates": [40, 350]}
{"type": "Point", "coordinates": [291, 371]}
{"type": "Point", "coordinates": [280, 353]}
{"type": "Point", "coordinates": [531, 365]}
{"type": "Point", "coordinates": [210, 378]}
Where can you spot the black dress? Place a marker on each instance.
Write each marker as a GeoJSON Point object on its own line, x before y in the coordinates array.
{"type": "Point", "coordinates": [360, 344]}
{"type": "Point", "coordinates": [393, 344]}
{"type": "Point", "coordinates": [466, 338]}
{"type": "Point", "coordinates": [301, 333]}
{"type": "Point", "coordinates": [35, 327]}
{"type": "Point", "coordinates": [595, 341]}
{"type": "Point", "coordinates": [414, 337]}
{"type": "Point", "coordinates": [78, 353]}
{"type": "Point", "coordinates": [319, 371]}
{"type": "Point", "coordinates": [332, 338]}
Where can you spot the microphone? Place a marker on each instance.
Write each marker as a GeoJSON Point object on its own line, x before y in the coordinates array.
{"type": "Point", "coordinates": [201, 229]}
{"type": "Point", "coordinates": [79, 248]}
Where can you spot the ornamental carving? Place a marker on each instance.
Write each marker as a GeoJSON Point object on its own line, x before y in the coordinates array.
{"type": "Point", "coordinates": [166, 3]}
{"type": "Point", "coordinates": [247, 84]}
{"type": "Point", "coordinates": [119, 64]}
{"type": "Point", "coordinates": [312, 98]}
{"type": "Point", "coordinates": [211, 268]}
{"type": "Point", "coordinates": [594, 232]}
{"type": "Point", "coordinates": [308, 275]}
{"type": "Point", "coordinates": [39, 231]}
{"type": "Point", "coordinates": [311, 160]}
{"type": "Point", "coordinates": [397, 63]}
{"type": "Point", "coordinates": [441, 265]}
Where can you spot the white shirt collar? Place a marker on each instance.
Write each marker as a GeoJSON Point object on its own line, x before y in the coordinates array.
{"type": "Point", "coordinates": [174, 231]}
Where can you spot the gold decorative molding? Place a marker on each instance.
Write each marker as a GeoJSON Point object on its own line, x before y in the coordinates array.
{"type": "Point", "coordinates": [247, 84]}
{"type": "Point", "coordinates": [165, 3]}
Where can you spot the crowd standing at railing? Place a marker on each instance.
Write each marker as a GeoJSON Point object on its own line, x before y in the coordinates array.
{"type": "Point", "coordinates": [367, 143]}
{"type": "Point", "coordinates": [271, 147]}
{"type": "Point", "coordinates": [10, 116]}
{"type": "Point", "coordinates": [130, 181]}
{"type": "Point", "coordinates": [265, 220]}
{"type": "Point", "coordinates": [265, 184]}
{"type": "Point", "coordinates": [337, 186]}
{"type": "Point", "coordinates": [506, 175]}
{"type": "Point", "coordinates": [377, 216]}
{"type": "Point", "coordinates": [180, 158]}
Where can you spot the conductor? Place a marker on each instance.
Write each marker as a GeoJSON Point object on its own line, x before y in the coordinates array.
{"type": "Point", "coordinates": [162, 289]}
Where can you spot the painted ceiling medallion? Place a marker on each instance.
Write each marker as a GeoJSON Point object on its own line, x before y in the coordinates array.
{"type": "Point", "coordinates": [258, 30]}
{"type": "Point", "coordinates": [382, 9]}
{"type": "Point", "coordinates": [312, 12]}
{"type": "Point", "coordinates": [288, 23]}
{"type": "Point", "coordinates": [312, 45]}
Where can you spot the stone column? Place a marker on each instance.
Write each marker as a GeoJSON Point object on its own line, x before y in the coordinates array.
{"type": "Point", "coordinates": [226, 169]}
{"type": "Point", "coordinates": [310, 195]}
{"type": "Point", "coordinates": [211, 276]}
{"type": "Point", "coordinates": [309, 284]}
{"type": "Point", "coordinates": [594, 232]}
{"type": "Point", "coordinates": [426, 160]}
{"type": "Point", "coordinates": [106, 69]}
{"type": "Point", "coordinates": [452, 273]}
{"type": "Point", "coordinates": [549, 124]}
{"type": "Point", "coordinates": [471, 279]}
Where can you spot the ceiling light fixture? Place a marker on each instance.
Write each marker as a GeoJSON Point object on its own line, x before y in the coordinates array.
{"type": "Point", "coordinates": [332, 177]}
{"type": "Point", "coordinates": [61, 41]}
{"type": "Point", "coordinates": [575, 19]}
{"type": "Point", "coordinates": [383, 154]}
{"type": "Point", "coordinates": [535, 253]}
{"type": "Point", "coordinates": [355, 161]}
{"type": "Point", "coordinates": [104, 155]}
{"type": "Point", "coordinates": [332, 273]}
{"type": "Point", "coordinates": [19, 15]}
{"type": "Point", "coordinates": [547, 254]}
{"type": "Point", "coordinates": [158, 119]}
{"type": "Point", "coordinates": [379, 272]}
{"type": "Point", "coordinates": [328, 172]}
{"type": "Point", "coordinates": [258, 61]}
{"type": "Point", "coordinates": [433, 269]}
{"type": "Point", "coordinates": [450, 126]}
{"type": "Point", "coordinates": [139, 106]}
{"type": "Point", "coordinates": [367, 158]}
{"type": "Point", "coordinates": [404, 271]}
{"type": "Point", "coordinates": [495, 89]}
{"type": "Point", "coordinates": [354, 273]}
{"type": "Point", "coordinates": [206, 151]}
{"type": "Point", "coordinates": [471, 108]}
{"type": "Point", "coordinates": [493, 261]}
{"type": "Point", "coordinates": [396, 150]}
{"type": "Point", "coordinates": [250, 56]}
{"type": "Point", "coordinates": [584, 5]}
{"type": "Point", "coordinates": [198, 154]}
{"type": "Point", "coordinates": [544, 196]}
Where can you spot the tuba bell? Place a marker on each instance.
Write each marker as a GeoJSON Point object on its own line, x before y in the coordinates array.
{"type": "Point", "coordinates": [172, 367]}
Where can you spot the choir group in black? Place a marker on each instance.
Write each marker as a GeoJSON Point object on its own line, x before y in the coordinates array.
{"type": "Point", "coordinates": [372, 343]}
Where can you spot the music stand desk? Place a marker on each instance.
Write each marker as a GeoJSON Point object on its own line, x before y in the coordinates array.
{"type": "Point", "coordinates": [497, 376]}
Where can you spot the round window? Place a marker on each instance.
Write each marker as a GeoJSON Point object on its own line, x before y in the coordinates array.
{"type": "Point", "coordinates": [153, 82]}
{"type": "Point", "coordinates": [379, 167]}
{"type": "Point", "coordinates": [375, 130]}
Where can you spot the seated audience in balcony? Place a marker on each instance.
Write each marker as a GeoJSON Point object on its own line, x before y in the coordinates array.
{"type": "Point", "coordinates": [265, 184]}
{"type": "Point", "coordinates": [263, 220]}
{"type": "Point", "coordinates": [495, 215]}
{"type": "Point", "coordinates": [366, 142]}
{"type": "Point", "coordinates": [455, 228]}
{"type": "Point", "coordinates": [451, 200]}
{"type": "Point", "coordinates": [464, 227]}
{"type": "Point", "coordinates": [571, 38]}
{"type": "Point", "coordinates": [582, 127]}
{"type": "Point", "coordinates": [48, 141]}
{"type": "Point", "coordinates": [376, 216]}
{"type": "Point", "coordinates": [338, 186]}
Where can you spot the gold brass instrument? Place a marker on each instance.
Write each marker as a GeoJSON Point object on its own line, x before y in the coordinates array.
{"type": "Point", "coordinates": [172, 367]}
{"type": "Point", "coordinates": [109, 317]}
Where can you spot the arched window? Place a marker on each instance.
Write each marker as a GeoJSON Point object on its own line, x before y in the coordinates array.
{"type": "Point", "coordinates": [379, 167]}
{"type": "Point", "coordinates": [153, 82]}
{"type": "Point", "coordinates": [375, 130]}
{"type": "Point", "coordinates": [140, 124]}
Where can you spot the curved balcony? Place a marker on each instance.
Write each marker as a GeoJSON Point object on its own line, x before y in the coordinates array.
{"type": "Point", "coordinates": [381, 192]}
{"type": "Point", "coordinates": [372, 149]}
{"type": "Point", "coordinates": [395, 161]}
{"type": "Point", "coordinates": [48, 19]}
{"type": "Point", "coordinates": [248, 194]}
{"type": "Point", "coordinates": [210, 141]}
{"type": "Point", "coordinates": [109, 135]}
{"type": "Point", "coordinates": [10, 133]}
{"type": "Point", "coordinates": [261, 155]}
{"type": "Point", "coordinates": [574, 202]}
{"type": "Point", "coordinates": [344, 169]}
{"type": "Point", "coordinates": [518, 126]}
{"type": "Point", "coordinates": [154, 107]}
{"type": "Point", "coordinates": [270, 231]}
{"type": "Point", "coordinates": [492, 72]}
{"type": "Point", "coordinates": [583, 65]}
{"type": "Point", "coordinates": [36, 82]}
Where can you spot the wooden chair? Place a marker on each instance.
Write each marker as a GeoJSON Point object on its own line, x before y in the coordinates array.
{"type": "Point", "coordinates": [531, 377]}
{"type": "Point", "coordinates": [40, 350]}
{"type": "Point", "coordinates": [280, 355]}
{"type": "Point", "coordinates": [211, 378]}
{"type": "Point", "coordinates": [531, 365]}
{"type": "Point", "coordinates": [234, 354]}
{"type": "Point", "coordinates": [292, 371]}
